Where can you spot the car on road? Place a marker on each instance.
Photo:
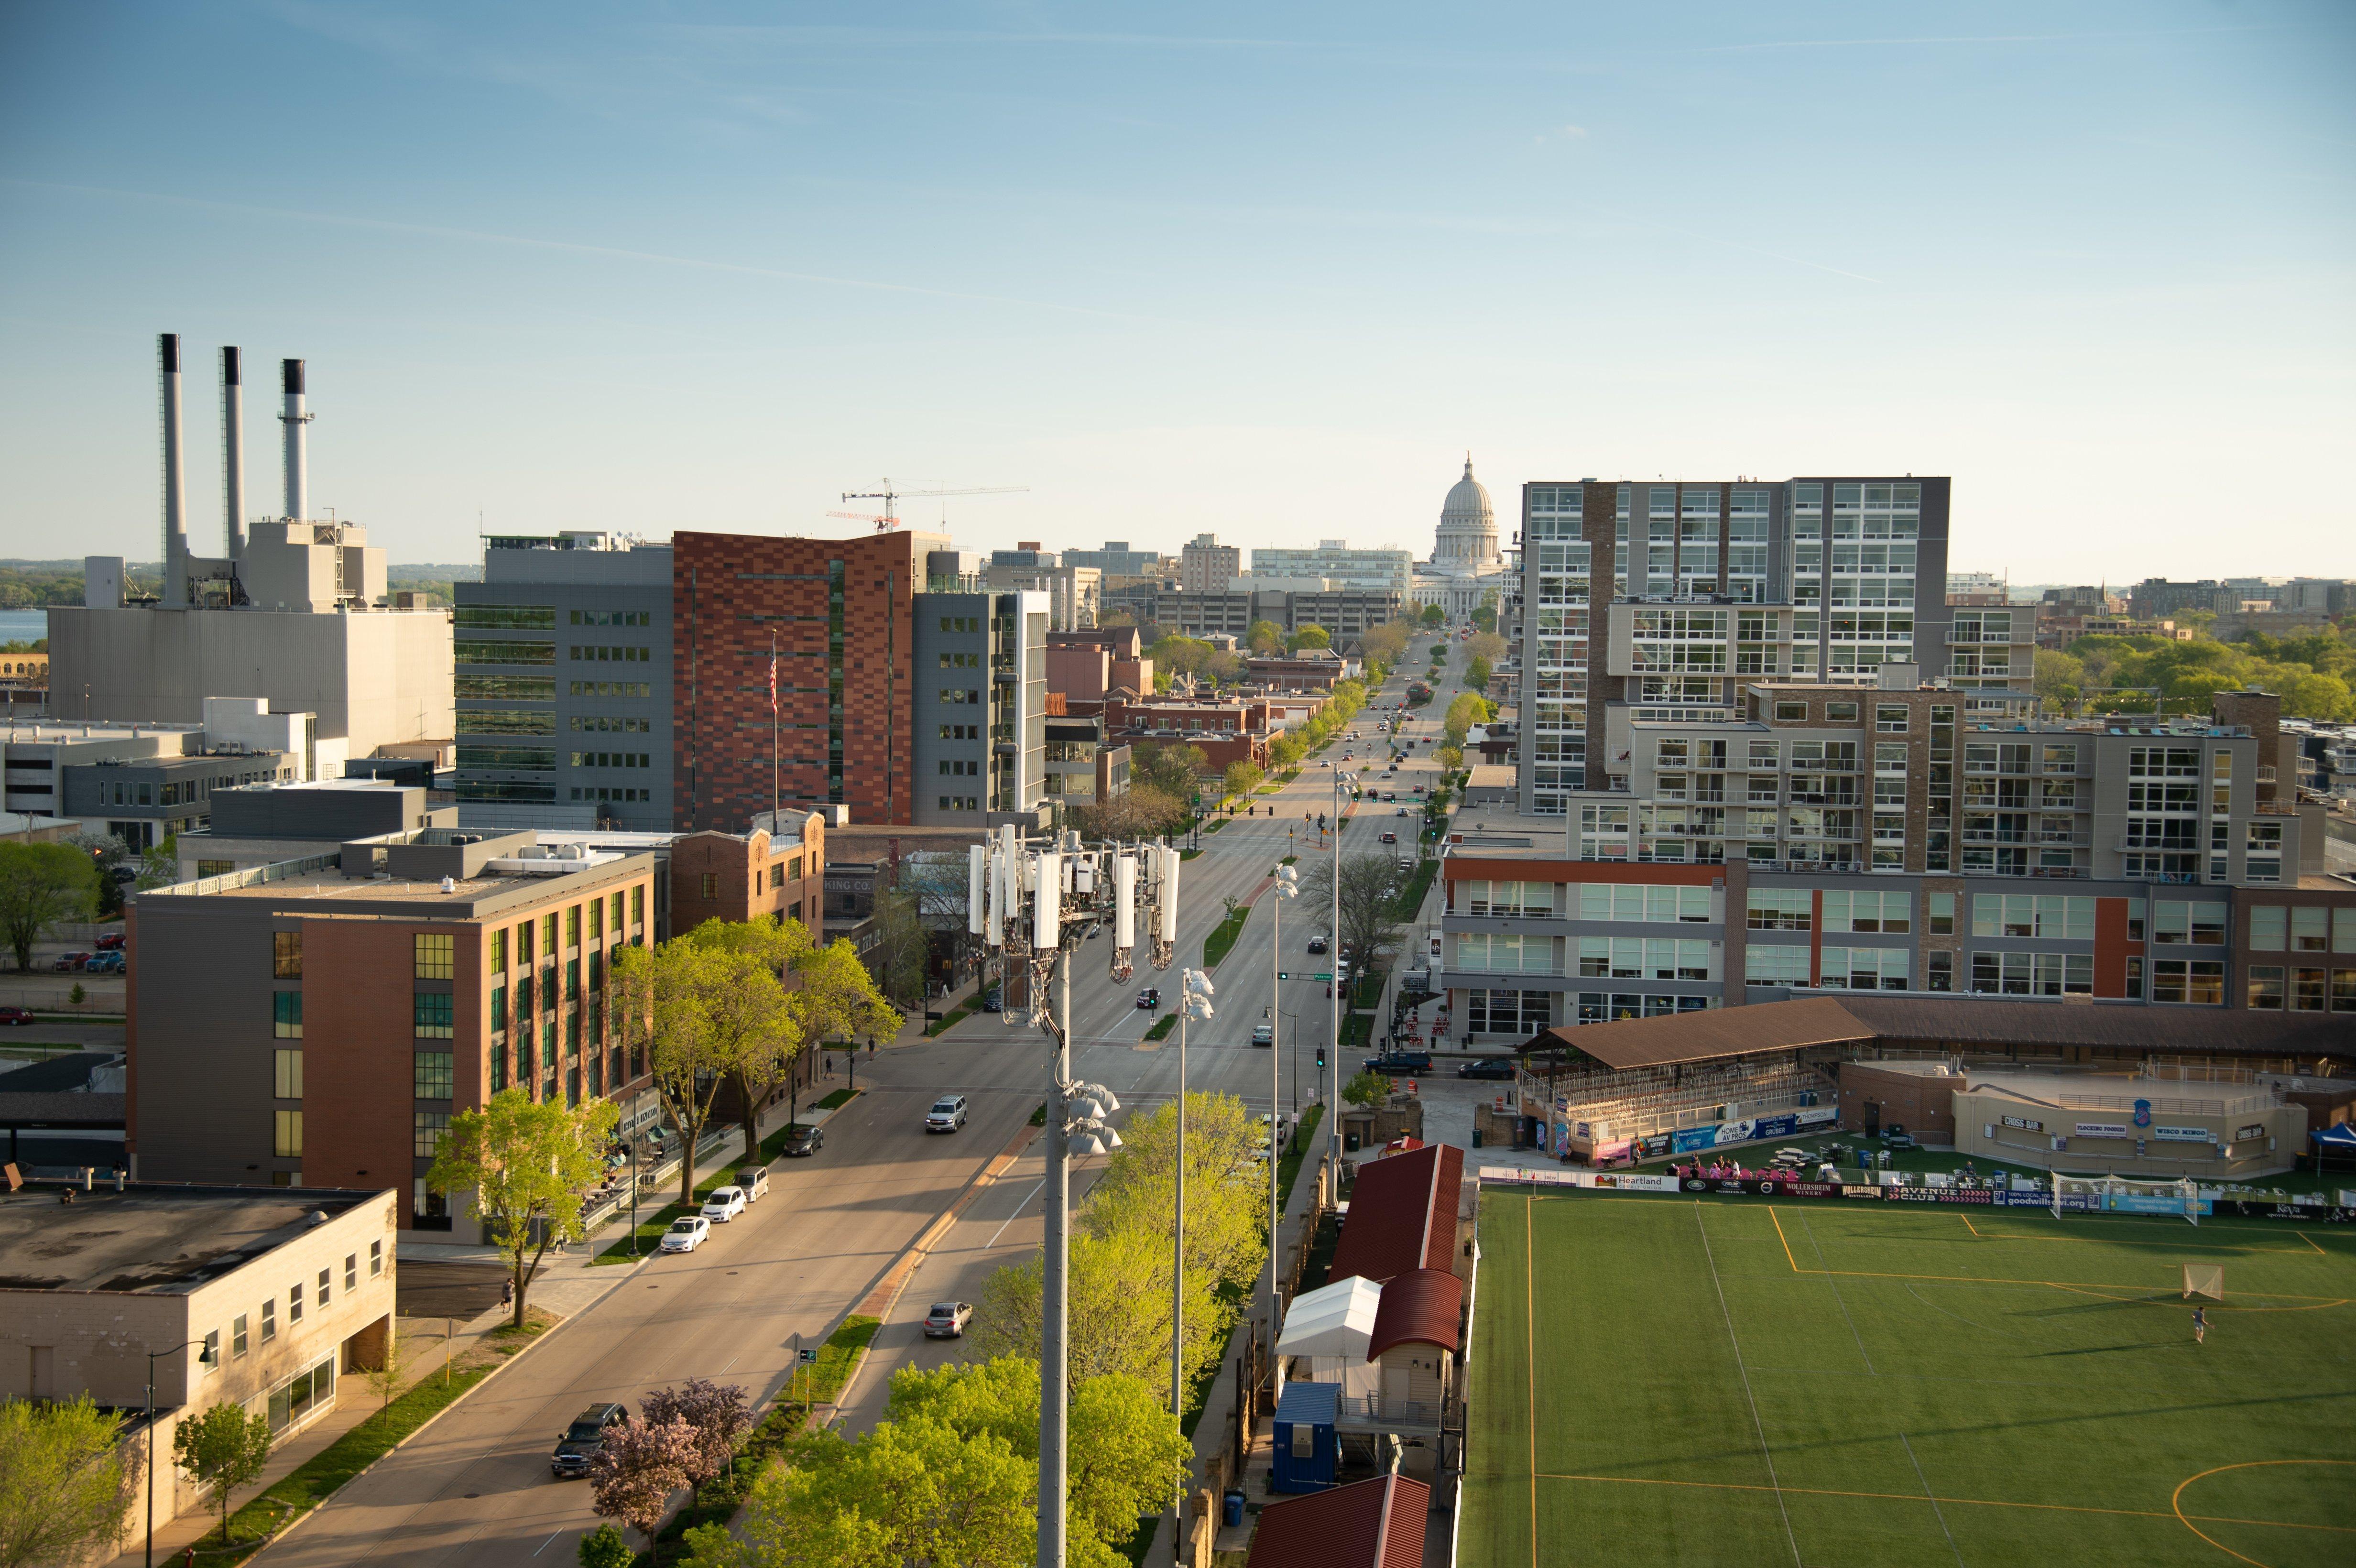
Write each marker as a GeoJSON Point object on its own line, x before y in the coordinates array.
{"type": "Point", "coordinates": [947, 1319]}
{"type": "Point", "coordinates": [107, 943]}
{"type": "Point", "coordinates": [946, 1116]}
{"type": "Point", "coordinates": [1316, 945]}
{"type": "Point", "coordinates": [1404, 864]}
{"type": "Point", "coordinates": [1148, 999]}
{"type": "Point", "coordinates": [801, 1142]}
{"type": "Point", "coordinates": [725, 1204]}
{"type": "Point", "coordinates": [1390, 837]}
{"type": "Point", "coordinates": [15, 1016]}
{"type": "Point", "coordinates": [993, 1003]}
{"type": "Point", "coordinates": [1400, 812]}
{"type": "Point", "coordinates": [686, 1234]}
{"type": "Point", "coordinates": [1263, 1034]}
{"type": "Point", "coordinates": [1487, 1067]}
{"type": "Point", "coordinates": [1400, 1062]}
{"type": "Point", "coordinates": [752, 1181]}
{"type": "Point", "coordinates": [579, 1443]}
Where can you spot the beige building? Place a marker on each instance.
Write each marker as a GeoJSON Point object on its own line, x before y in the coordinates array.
{"type": "Point", "coordinates": [1207, 566]}
{"type": "Point", "coordinates": [2098, 1124]}
{"type": "Point", "coordinates": [284, 1292]}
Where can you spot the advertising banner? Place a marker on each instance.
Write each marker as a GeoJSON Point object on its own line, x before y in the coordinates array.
{"type": "Point", "coordinates": [2148, 1203]}
{"type": "Point", "coordinates": [2246, 1210]}
{"type": "Point", "coordinates": [1782, 1125]}
{"type": "Point", "coordinates": [1630, 1183]}
{"type": "Point", "coordinates": [2102, 1130]}
{"type": "Point", "coordinates": [2183, 1135]}
{"type": "Point", "coordinates": [1684, 1140]}
{"type": "Point", "coordinates": [2254, 1130]}
{"type": "Point", "coordinates": [2024, 1124]}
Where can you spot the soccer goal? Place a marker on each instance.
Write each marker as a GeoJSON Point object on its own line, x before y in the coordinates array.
{"type": "Point", "coordinates": [2125, 1195]}
{"type": "Point", "coordinates": [2204, 1279]}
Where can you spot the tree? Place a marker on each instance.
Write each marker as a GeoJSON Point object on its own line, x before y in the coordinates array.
{"type": "Point", "coordinates": [385, 1377]}
{"type": "Point", "coordinates": [835, 997]}
{"type": "Point", "coordinates": [1370, 926]}
{"type": "Point", "coordinates": [715, 1413]}
{"type": "Point", "coordinates": [42, 886]}
{"type": "Point", "coordinates": [1368, 1089]}
{"type": "Point", "coordinates": [159, 864]}
{"type": "Point", "coordinates": [221, 1450]}
{"type": "Point", "coordinates": [1485, 645]}
{"type": "Point", "coordinates": [1265, 637]}
{"type": "Point", "coordinates": [1308, 638]}
{"type": "Point", "coordinates": [1172, 768]}
{"type": "Point", "coordinates": [1432, 618]}
{"type": "Point", "coordinates": [761, 1045]}
{"type": "Point", "coordinates": [696, 1011]}
{"type": "Point", "coordinates": [1227, 1191]}
{"type": "Point", "coordinates": [2060, 678]}
{"type": "Point", "coordinates": [640, 1464]}
{"type": "Point", "coordinates": [1450, 758]}
{"type": "Point", "coordinates": [1143, 812]}
{"type": "Point", "coordinates": [900, 949]}
{"type": "Point", "coordinates": [529, 1168]}
{"type": "Point", "coordinates": [1386, 644]}
{"type": "Point", "coordinates": [1243, 777]}
{"type": "Point", "coordinates": [1119, 1305]}
{"type": "Point", "coordinates": [1468, 709]}
{"type": "Point", "coordinates": [606, 1547]}
{"type": "Point", "coordinates": [67, 1481]}
{"type": "Point", "coordinates": [1476, 673]}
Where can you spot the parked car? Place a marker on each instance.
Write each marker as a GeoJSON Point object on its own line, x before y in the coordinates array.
{"type": "Point", "coordinates": [1404, 864]}
{"type": "Point", "coordinates": [1400, 1062]}
{"type": "Point", "coordinates": [995, 1002]}
{"type": "Point", "coordinates": [105, 964]}
{"type": "Point", "coordinates": [71, 961]}
{"type": "Point", "coordinates": [1487, 1067]}
{"type": "Point", "coordinates": [946, 1116]}
{"type": "Point", "coordinates": [1148, 999]}
{"type": "Point", "coordinates": [111, 941]}
{"type": "Point", "coordinates": [579, 1443]}
{"type": "Point", "coordinates": [1316, 945]}
{"type": "Point", "coordinates": [686, 1235]}
{"type": "Point", "coordinates": [1263, 1034]}
{"type": "Point", "coordinates": [725, 1204]}
{"type": "Point", "coordinates": [947, 1319]}
{"type": "Point", "coordinates": [13, 1016]}
{"type": "Point", "coordinates": [801, 1142]}
{"type": "Point", "coordinates": [752, 1181]}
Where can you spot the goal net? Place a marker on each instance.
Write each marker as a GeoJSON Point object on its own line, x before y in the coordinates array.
{"type": "Point", "coordinates": [2204, 1279]}
{"type": "Point", "coordinates": [2125, 1195]}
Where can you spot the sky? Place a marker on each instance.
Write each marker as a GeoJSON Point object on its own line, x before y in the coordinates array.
{"type": "Point", "coordinates": [1266, 270]}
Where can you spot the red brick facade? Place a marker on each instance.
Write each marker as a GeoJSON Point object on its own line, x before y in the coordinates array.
{"type": "Point", "coordinates": [728, 876]}
{"type": "Point", "coordinates": [729, 593]}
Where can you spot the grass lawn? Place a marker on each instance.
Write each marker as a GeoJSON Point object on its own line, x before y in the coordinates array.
{"type": "Point", "coordinates": [1733, 1380]}
{"type": "Point", "coordinates": [1216, 946]}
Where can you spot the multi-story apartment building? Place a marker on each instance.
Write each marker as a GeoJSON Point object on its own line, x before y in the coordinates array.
{"type": "Point", "coordinates": [1662, 599]}
{"type": "Point", "coordinates": [1117, 560]}
{"type": "Point", "coordinates": [1334, 561]}
{"type": "Point", "coordinates": [1073, 594]}
{"type": "Point", "coordinates": [978, 709]}
{"type": "Point", "coordinates": [563, 684]}
{"type": "Point", "coordinates": [1344, 612]}
{"type": "Point", "coordinates": [501, 947]}
{"type": "Point", "coordinates": [2156, 598]}
{"type": "Point", "coordinates": [1207, 566]}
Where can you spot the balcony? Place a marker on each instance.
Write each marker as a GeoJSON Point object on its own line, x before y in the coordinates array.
{"type": "Point", "coordinates": [2063, 872]}
{"type": "Point", "coordinates": [1384, 1413]}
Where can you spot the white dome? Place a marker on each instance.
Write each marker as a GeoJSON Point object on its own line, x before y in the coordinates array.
{"type": "Point", "coordinates": [1468, 500]}
{"type": "Point", "coordinates": [1467, 540]}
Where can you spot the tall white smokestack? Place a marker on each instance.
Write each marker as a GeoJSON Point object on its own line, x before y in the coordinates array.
{"type": "Point", "coordinates": [290, 379]}
{"type": "Point", "coordinates": [232, 374]}
{"type": "Point", "coordinates": [175, 487]}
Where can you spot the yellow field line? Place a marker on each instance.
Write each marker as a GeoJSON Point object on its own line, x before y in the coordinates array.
{"type": "Point", "coordinates": [2175, 1503]}
{"type": "Point", "coordinates": [1966, 1219]}
{"type": "Point", "coordinates": [1975, 1502]}
{"type": "Point", "coordinates": [2303, 1236]}
{"type": "Point", "coordinates": [1785, 1240]}
{"type": "Point", "coordinates": [1530, 1361]}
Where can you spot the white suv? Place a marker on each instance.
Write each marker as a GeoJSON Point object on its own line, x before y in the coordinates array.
{"type": "Point", "coordinates": [946, 1116]}
{"type": "Point", "coordinates": [725, 1204]}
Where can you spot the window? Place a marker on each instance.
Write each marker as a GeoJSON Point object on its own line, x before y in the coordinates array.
{"type": "Point", "coordinates": [237, 1337]}
{"type": "Point", "coordinates": [1865, 968]}
{"type": "Point", "coordinates": [2061, 759]}
{"type": "Point", "coordinates": [269, 1321]}
{"type": "Point", "coordinates": [2266, 988]}
{"type": "Point", "coordinates": [1781, 908]}
{"type": "Point", "coordinates": [1889, 911]}
{"type": "Point", "coordinates": [1483, 953]}
{"type": "Point", "coordinates": [433, 1015]}
{"type": "Point", "coordinates": [327, 1283]}
{"type": "Point", "coordinates": [286, 1013]}
{"type": "Point", "coordinates": [2269, 928]}
{"type": "Point", "coordinates": [436, 957]}
{"type": "Point", "coordinates": [777, 874]}
{"type": "Point", "coordinates": [434, 1074]}
{"type": "Point", "coordinates": [376, 1259]}
{"type": "Point", "coordinates": [1791, 712]}
{"type": "Point", "coordinates": [572, 926]}
{"type": "Point", "coordinates": [1610, 900]}
{"type": "Point", "coordinates": [1766, 965]}
{"type": "Point", "coordinates": [2201, 925]}
{"type": "Point", "coordinates": [286, 955]}
{"type": "Point", "coordinates": [286, 1139]}
{"type": "Point", "coordinates": [1644, 957]}
{"type": "Point", "coordinates": [2195, 980]}
{"type": "Point", "coordinates": [1941, 971]}
{"type": "Point", "coordinates": [1507, 900]}
{"type": "Point", "coordinates": [710, 884]}
{"type": "Point", "coordinates": [1941, 912]}
{"type": "Point", "coordinates": [498, 1008]}
{"type": "Point", "coordinates": [2033, 974]}
{"type": "Point", "coordinates": [208, 1360]}
{"type": "Point", "coordinates": [548, 934]}
{"type": "Point", "coordinates": [286, 1075]}
{"type": "Point", "coordinates": [1840, 713]}
{"type": "Point", "coordinates": [2309, 930]}
{"type": "Point", "coordinates": [596, 919]}
{"type": "Point", "coordinates": [351, 1270]}
{"type": "Point", "coordinates": [426, 1132]}
{"type": "Point", "coordinates": [498, 950]}
{"type": "Point", "coordinates": [1508, 1012]}
{"type": "Point", "coordinates": [524, 944]}
{"type": "Point", "coordinates": [637, 904]}
{"type": "Point", "coordinates": [1889, 718]}
{"type": "Point", "coordinates": [2033, 914]}
{"type": "Point", "coordinates": [295, 1303]}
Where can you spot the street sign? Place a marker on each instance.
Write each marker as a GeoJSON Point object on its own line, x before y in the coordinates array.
{"type": "Point", "coordinates": [810, 1356]}
{"type": "Point", "coordinates": [1320, 976]}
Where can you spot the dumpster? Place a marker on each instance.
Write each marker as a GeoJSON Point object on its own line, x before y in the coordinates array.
{"type": "Point", "coordinates": [1231, 1512]}
{"type": "Point", "coordinates": [1476, 1134]}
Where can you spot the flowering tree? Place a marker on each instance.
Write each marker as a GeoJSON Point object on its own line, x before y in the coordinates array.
{"type": "Point", "coordinates": [640, 1465]}
{"type": "Point", "coordinates": [715, 1413]}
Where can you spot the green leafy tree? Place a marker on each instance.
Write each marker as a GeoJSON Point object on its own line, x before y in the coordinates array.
{"type": "Point", "coordinates": [527, 1168]}
{"type": "Point", "coordinates": [1367, 1090]}
{"type": "Point", "coordinates": [1172, 768]}
{"type": "Point", "coordinates": [1476, 673]}
{"type": "Point", "coordinates": [1308, 638]}
{"type": "Point", "coordinates": [1265, 637]}
{"type": "Point", "coordinates": [834, 998]}
{"type": "Point", "coordinates": [698, 1012]}
{"type": "Point", "coordinates": [222, 1450]}
{"type": "Point", "coordinates": [1450, 758]}
{"type": "Point", "coordinates": [606, 1547]}
{"type": "Point", "coordinates": [66, 1481]}
{"type": "Point", "coordinates": [1226, 1196]}
{"type": "Point", "coordinates": [1119, 1305]}
{"type": "Point", "coordinates": [1432, 618]}
{"type": "Point", "coordinates": [1370, 925]}
{"type": "Point", "coordinates": [43, 886]}
{"type": "Point", "coordinates": [1485, 617]}
{"type": "Point", "coordinates": [2060, 678]}
{"type": "Point", "coordinates": [1242, 777]}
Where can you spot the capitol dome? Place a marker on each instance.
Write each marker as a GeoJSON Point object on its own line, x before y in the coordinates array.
{"type": "Point", "coordinates": [1467, 541]}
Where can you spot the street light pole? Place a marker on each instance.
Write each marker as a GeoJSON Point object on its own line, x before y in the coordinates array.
{"type": "Point", "coordinates": [1288, 886]}
{"type": "Point", "coordinates": [150, 1438]}
{"type": "Point", "coordinates": [1054, 1353]}
{"type": "Point", "coordinates": [1333, 1013]}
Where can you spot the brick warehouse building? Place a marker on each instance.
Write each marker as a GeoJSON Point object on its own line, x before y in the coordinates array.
{"type": "Point", "coordinates": [841, 611]}
{"type": "Point", "coordinates": [504, 972]}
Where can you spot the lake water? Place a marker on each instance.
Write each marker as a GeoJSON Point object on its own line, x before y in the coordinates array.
{"type": "Point", "coordinates": [24, 625]}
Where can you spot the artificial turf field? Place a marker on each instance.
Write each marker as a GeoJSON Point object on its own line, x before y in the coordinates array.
{"type": "Point", "coordinates": [1746, 1381]}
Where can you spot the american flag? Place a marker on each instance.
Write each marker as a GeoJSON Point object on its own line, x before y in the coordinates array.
{"type": "Point", "coordinates": [772, 682]}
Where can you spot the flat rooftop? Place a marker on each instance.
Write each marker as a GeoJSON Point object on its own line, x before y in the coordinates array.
{"type": "Point", "coordinates": [159, 1241]}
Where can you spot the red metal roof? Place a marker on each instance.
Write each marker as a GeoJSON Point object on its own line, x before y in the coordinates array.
{"type": "Point", "coordinates": [1376, 1523]}
{"type": "Point", "coordinates": [1402, 1214]}
{"type": "Point", "coordinates": [1421, 1307]}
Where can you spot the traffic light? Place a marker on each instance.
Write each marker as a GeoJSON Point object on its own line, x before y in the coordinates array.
{"type": "Point", "coordinates": [1320, 1059]}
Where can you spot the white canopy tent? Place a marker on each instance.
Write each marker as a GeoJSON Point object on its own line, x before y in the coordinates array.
{"type": "Point", "coordinates": [1331, 1328]}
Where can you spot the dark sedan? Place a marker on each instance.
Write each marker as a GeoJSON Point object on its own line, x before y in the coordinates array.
{"type": "Point", "coordinates": [1487, 1067]}
{"type": "Point", "coordinates": [804, 1141]}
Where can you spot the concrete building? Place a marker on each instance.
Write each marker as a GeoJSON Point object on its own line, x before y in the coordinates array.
{"type": "Point", "coordinates": [499, 946]}
{"type": "Point", "coordinates": [1207, 566]}
{"type": "Point", "coordinates": [563, 687]}
{"type": "Point", "coordinates": [1075, 595]}
{"type": "Point", "coordinates": [264, 825]}
{"type": "Point", "coordinates": [1117, 560]}
{"type": "Point", "coordinates": [2156, 598]}
{"type": "Point", "coordinates": [1336, 562]}
{"type": "Point", "coordinates": [978, 709]}
{"type": "Point", "coordinates": [1343, 613]}
{"type": "Point", "coordinates": [145, 801]}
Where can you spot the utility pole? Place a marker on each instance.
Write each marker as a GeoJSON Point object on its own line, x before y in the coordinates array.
{"type": "Point", "coordinates": [1287, 886]}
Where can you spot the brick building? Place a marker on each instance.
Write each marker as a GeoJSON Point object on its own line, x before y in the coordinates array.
{"type": "Point", "coordinates": [751, 876]}
{"type": "Point", "coordinates": [500, 946]}
{"type": "Point", "coordinates": [838, 613]}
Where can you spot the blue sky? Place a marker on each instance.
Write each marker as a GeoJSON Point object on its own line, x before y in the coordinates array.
{"type": "Point", "coordinates": [1264, 271]}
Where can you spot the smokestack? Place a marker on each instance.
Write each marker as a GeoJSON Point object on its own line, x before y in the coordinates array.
{"type": "Point", "coordinates": [232, 374]}
{"type": "Point", "coordinates": [290, 373]}
{"type": "Point", "coordinates": [176, 489]}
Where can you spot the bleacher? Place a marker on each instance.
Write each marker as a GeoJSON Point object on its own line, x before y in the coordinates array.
{"type": "Point", "coordinates": [1641, 1101]}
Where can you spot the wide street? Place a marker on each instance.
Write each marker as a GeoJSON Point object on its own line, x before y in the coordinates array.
{"type": "Point", "coordinates": [475, 1488]}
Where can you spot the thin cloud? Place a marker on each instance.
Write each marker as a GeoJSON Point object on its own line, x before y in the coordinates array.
{"type": "Point", "coordinates": [1940, 40]}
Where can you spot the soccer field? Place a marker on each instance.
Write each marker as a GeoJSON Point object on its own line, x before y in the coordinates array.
{"type": "Point", "coordinates": [1749, 1381]}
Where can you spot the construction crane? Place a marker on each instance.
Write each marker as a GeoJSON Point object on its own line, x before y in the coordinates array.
{"type": "Point", "coordinates": [892, 499]}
